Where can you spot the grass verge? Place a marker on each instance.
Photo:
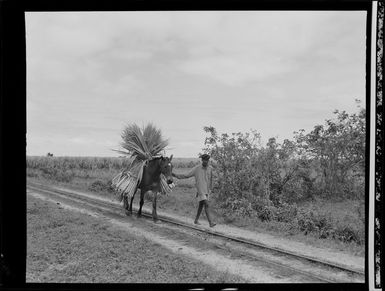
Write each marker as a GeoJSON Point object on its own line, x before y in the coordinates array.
{"type": "Point", "coordinates": [69, 247]}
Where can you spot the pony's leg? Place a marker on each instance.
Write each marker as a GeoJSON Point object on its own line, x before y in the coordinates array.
{"type": "Point", "coordinates": [132, 200]}
{"type": "Point", "coordinates": [154, 214]}
{"type": "Point", "coordinates": [141, 203]}
{"type": "Point", "coordinates": [125, 205]}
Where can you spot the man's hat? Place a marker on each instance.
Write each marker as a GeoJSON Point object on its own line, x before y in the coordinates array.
{"type": "Point", "coordinates": [205, 157]}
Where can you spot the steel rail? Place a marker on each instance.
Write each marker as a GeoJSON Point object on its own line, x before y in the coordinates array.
{"type": "Point", "coordinates": [40, 187]}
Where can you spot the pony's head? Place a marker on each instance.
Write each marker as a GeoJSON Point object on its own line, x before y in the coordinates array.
{"type": "Point", "coordinates": [166, 168]}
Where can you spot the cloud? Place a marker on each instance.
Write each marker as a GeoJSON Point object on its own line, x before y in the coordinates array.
{"type": "Point", "coordinates": [187, 144]}
{"type": "Point", "coordinates": [270, 48]}
{"type": "Point", "coordinates": [235, 70]}
{"type": "Point", "coordinates": [80, 140]}
{"type": "Point", "coordinates": [88, 73]}
{"type": "Point", "coordinates": [117, 88]}
{"type": "Point", "coordinates": [130, 55]}
{"type": "Point", "coordinates": [233, 48]}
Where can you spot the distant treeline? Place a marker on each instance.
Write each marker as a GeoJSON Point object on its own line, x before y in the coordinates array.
{"type": "Point", "coordinates": [92, 163]}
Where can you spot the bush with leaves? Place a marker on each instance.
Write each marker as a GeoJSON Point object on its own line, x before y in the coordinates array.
{"type": "Point", "coordinates": [339, 149]}
{"type": "Point", "coordinates": [233, 156]}
{"type": "Point", "coordinates": [101, 186]}
{"type": "Point", "coordinates": [238, 206]}
{"type": "Point", "coordinates": [286, 212]}
{"type": "Point", "coordinates": [286, 177]}
{"type": "Point", "coordinates": [349, 233]}
{"type": "Point", "coordinates": [244, 167]}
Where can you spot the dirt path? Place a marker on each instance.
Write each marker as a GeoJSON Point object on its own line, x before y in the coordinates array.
{"type": "Point", "coordinates": [69, 244]}
{"type": "Point", "coordinates": [343, 259]}
{"type": "Point", "coordinates": [234, 266]}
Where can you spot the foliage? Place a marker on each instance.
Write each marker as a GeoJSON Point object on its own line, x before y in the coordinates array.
{"type": "Point", "coordinates": [244, 166]}
{"type": "Point", "coordinates": [143, 143]}
{"type": "Point", "coordinates": [286, 178]}
{"type": "Point", "coordinates": [233, 155]}
{"type": "Point", "coordinates": [309, 221]}
{"type": "Point", "coordinates": [57, 174]}
{"type": "Point", "coordinates": [267, 181]}
{"type": "Point", "coordinates": [238, 207]}
{"type": "Point", "coordinates": [329, 161]}
{"type": "Point", "coordinates": [101, 186]}
{"type": "Point", "coordinates": [339, 149]}
{"type": "Point", "coordinates": [80, 163]}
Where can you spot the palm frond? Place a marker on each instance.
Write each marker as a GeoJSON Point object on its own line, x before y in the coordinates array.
{"type": "Point", "coordinates": [142, 143]}
{"type": "Point", "coordinates": [152, 136]}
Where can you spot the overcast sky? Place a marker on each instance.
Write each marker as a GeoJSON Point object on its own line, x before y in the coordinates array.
{"type": "Point", "coordinates": [89, 74]}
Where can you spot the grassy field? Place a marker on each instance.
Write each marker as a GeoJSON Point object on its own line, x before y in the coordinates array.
{"type": "Point", "coordinates": [345, 216]}
{"type": "Point", "coordinates": [78, 248]}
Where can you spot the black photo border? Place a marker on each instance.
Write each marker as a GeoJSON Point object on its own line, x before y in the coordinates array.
{"type": "Point", "coordinates": [13, 133]}
{"type": "Point", "coordinates": [379, 147]}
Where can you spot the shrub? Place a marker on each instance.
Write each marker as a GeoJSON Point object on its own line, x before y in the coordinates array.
{"type": "Point", "coordinates": [309, 221]}
{"type": "Point", "coordinates": [306, 224]}
{"type": "Point", "coordinates": [349, 233]}
{"type": "Point", "coordinates": [32, 173]}
{"type": "Point", "coordinates": [101, 186]}
{"type": "Point", "coordinates": [57, 174]}
{"type": "Point", "coordinates": [239, 207]}
{"type": "Point", "coordinates": [267, 213]}
{"type": "Point", "coordinates": [339, 148]}
{"type": "Point", "coordinates": [327, 232]}
{"type": "Point", "coordinates": [286, 212]}
{"type": "Point", "coordinates": [62, 175]}
{"type": "Point", "coordinates": [324, 227]}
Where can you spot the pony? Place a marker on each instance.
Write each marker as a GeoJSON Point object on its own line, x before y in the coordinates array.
{"type": "Point", "coordinates": [151, 181]}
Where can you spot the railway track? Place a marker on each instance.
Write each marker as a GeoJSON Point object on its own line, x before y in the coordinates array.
{"type": "Point", "coordinates": [310, 268]}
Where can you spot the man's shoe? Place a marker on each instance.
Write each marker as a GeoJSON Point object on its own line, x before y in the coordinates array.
{"type": "Point", "coordinates": [213, 224]}
{"type": "Point", "coordinates": [197, 223]}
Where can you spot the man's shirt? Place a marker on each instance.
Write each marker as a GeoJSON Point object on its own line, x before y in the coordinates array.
{"type": "Point", "coordinates": [203, 179]}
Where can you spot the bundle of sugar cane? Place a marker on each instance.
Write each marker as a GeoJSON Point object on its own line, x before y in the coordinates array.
{"type": "Point", "coordinates": [126, 182]}
{"type": "Point", "coordinates": [141, 145]}
{"type": "Point", "coordinates": [120, 178]}
{"type": "Point", "coordinates": [166, 188]}
{"type": "Point", "coordinates": [127, 188]}
{"type": "Point", "coordinates": [123, 185]}
{"type": "Point", "coordinates": [116, 179]}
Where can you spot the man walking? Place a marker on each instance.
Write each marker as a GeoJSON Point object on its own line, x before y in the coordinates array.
{"type": "Point", "coordinates": [203, 175]}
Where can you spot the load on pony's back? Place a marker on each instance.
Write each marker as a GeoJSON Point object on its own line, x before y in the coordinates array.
{"type": "Point", "coordinates": [147, 170]}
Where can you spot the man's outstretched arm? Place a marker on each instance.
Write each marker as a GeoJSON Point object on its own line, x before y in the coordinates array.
{"type": "Point", "coordinates": [185, 176]}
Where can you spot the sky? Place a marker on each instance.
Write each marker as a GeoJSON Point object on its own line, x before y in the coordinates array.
{"type": "Point", "coordinates": [89, 74]}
